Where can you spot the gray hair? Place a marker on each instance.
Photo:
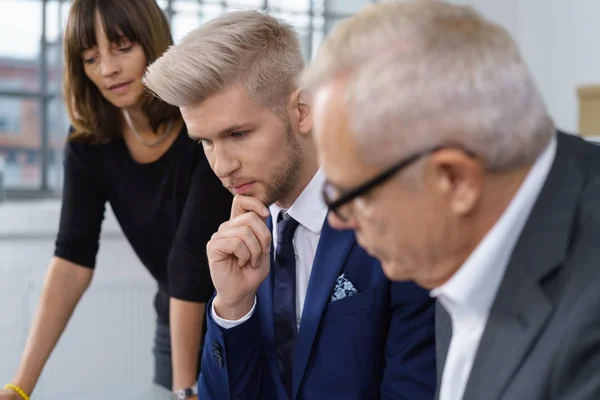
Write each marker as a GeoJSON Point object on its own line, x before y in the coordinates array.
{"type": "Point", "coordinates": [249, 47]}
{"type": "Point", "coordinates": [424, 73]}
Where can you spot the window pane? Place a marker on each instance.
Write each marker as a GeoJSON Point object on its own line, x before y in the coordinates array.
{"type": "Point", "coordinates": [299, 21]}
{"type": "Point", "coordinates": [345, 6]}
{"type": "Point", "coordinates": [317, 35]}
{"type": "Point", "coordinates": [239, 4]}
{"type": "Point", "coordinates": [234, 7]}
{"type": "Point", "coordinates": [57, 12]}
{"type": "Point", "coordinates": [189, 16]}
{"type": "Point", "coordinates": [58, 125]}
{"type": "Point", "coordinates": [318, 5]}
{"type": "Point", "coordinates": [290, 5]}
{"type": "Point", "coordinates": [19, 59]}
{"type": "Point", "coordinates": [330, 23]}
{"type": "Point", "coordinates": [20, 141]}
{"type": "Point", "coordinates": [234, 4]}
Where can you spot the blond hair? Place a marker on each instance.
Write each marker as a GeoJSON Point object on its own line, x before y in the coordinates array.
{"type": "Point", "coordinates": [424, 73]}
{"type": "Point", "coordinates": [249, 47]}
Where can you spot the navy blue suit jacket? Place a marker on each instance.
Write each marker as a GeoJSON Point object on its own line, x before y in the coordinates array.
{"type": "Point", "coordinates": [376, 344]}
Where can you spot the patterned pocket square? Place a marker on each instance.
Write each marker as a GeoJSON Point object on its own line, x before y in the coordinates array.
{"type": "Point", "coordinates": [343, 288]}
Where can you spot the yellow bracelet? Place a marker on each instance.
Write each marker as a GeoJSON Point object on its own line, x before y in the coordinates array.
{"type": "Point", "coordinates": [17, 389]}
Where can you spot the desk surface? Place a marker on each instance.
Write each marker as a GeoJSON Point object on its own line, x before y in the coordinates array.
{"type": "Point", "coordinates": [151, 392]}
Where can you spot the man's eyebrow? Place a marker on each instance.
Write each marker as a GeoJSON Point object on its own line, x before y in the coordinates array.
{"type": "Point", "coordinates": [223, 132]}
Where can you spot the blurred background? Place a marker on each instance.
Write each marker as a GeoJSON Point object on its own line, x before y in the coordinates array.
{"type": "Point", "coordinates": [558, 39]}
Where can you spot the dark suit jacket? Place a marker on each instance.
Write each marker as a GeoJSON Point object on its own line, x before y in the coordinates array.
{"type": "Point", "coordinates": [542, 339]}
{"type": "Point", "coordinates": [376, 344]}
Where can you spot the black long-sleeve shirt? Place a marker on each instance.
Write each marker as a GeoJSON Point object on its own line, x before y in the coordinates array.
{"type": "Point", "coordinates": [167, 209]}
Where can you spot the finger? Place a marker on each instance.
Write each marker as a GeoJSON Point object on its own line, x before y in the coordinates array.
{"type": "Point", "coordinates": [243, 204]}
{"type": "Point", "coordinates": [254, 222]}
{"type": "Point", "coordinates": [245, 234]}
{"type": "Point", "coordinates": [221, 249]}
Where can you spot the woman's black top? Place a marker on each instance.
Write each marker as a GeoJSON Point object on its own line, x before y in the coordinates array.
{"type": "Point", "coordinates": [168, 210]}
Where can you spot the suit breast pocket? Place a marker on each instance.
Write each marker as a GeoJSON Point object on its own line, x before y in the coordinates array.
{"type": "Point", "coordinates": [351, 305]}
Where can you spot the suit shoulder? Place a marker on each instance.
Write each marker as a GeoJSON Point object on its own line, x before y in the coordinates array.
{"type": "Point", "coordinates": [584, 252]}
{"type": "Point", "coordinates": [585, 152]}
{"type": "Point", "coordinates": [589, 208]}
{"type": "Point", "coordinates": [577, 364]}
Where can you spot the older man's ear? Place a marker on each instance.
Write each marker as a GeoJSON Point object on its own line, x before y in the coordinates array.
{"type": "Point", "coordinates": [458, 177]}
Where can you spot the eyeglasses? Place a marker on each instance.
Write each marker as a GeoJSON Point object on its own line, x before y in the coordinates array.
{"type": "Point", "coordinates": [335, 200]}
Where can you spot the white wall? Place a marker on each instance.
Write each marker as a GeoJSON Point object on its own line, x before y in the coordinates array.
{"type": "Point", "coordinates": [559, 40]}
{"type": "Point", "coordinates": [108, 341]}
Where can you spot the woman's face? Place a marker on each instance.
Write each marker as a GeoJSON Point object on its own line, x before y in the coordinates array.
{"type": "Point", "coordinates": [115, 68]}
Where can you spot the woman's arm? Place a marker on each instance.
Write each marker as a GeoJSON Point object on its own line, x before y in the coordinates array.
{"type": "Point", "coordinates": [187, 323]}
{"type": "Point", "coordinates": [190, 287]}
{"type": "Point", "coordinates": [70, 271]}
{"type": "Point", "coordinates": [64, 285]}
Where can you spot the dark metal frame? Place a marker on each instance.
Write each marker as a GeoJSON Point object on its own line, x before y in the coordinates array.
{"type": "Point", "coordinates": [45, 97]}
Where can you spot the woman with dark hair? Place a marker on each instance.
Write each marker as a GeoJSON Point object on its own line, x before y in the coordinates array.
{"type": "Point", "coordinates": [131, 150]}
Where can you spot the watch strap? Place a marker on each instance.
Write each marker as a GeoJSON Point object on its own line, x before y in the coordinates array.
{"type": "Point", "coordinates": [186, 393]}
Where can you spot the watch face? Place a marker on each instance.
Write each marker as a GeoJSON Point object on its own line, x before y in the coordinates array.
{"type": "Point", "coordinates": [184, 394]}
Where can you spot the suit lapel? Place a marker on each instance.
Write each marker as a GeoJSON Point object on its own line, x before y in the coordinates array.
{"type": "Point", "coordinates": [332, 251]}
{"type": "Point", "coordinates": [514, 323]}
{"type": "Point", "coordinates": [521, 309]}
{"type": "Point", "coordinates": [443, 334]}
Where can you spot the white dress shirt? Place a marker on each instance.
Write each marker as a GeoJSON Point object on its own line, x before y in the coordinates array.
{"type": "Point", "coordinates": [468, 295]}
{"type": "Point", "coordinates": [310, 211]}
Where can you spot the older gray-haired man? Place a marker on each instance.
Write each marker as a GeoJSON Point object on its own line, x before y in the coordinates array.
{"type": "Point", "coordinates": [440, 154]}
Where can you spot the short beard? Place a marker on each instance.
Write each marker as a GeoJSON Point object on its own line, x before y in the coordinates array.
{"type": "Point", "coordinates": [286, 174]}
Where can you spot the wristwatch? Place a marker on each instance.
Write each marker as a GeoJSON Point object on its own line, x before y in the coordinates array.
{"type": "Point", "coordinates": [183, 394]}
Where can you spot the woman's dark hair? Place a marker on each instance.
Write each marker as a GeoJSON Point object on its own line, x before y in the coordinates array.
{"type": "Point", "coordinates": [94, 119]}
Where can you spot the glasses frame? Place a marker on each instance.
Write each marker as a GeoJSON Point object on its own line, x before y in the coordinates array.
{"type": "Point", "coordinates": [370, 184]}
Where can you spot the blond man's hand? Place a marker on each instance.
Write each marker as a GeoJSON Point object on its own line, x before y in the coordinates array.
{"type": "Point", "coordinates": [239, 257]}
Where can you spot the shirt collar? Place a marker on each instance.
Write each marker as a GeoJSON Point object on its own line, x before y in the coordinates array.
{"type": "Point", "coordinates": [476, 282]}
{"type": "Point", "coordinates": [308, 209]}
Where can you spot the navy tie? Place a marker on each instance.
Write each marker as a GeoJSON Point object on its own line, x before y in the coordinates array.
{"type": "Point", "coordinates": [284, 297]}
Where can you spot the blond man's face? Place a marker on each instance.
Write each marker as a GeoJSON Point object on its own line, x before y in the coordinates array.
{"type": "Point", "coordinates": [251, 149]}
